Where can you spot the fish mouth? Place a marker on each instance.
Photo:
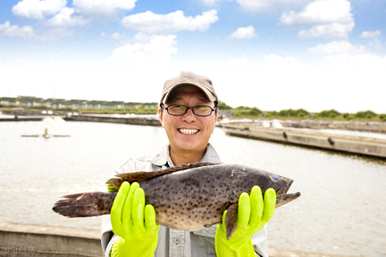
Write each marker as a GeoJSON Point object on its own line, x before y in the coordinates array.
{"type": "Point", "coordinates": [188, 131]}
{"type": "Point", "coordinates": [286, 198]}
{"type": "Point", "coordinates": [282, 196]}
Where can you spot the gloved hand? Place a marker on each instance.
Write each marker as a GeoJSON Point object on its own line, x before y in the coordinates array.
{"type": "Point", "coordinates": [134, 223]}
{"type": "Point", "coordinates": [253, 214]}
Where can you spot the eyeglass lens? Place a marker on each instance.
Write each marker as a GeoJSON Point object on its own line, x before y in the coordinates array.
{"type": "Point", "coordinates": [199, 110]}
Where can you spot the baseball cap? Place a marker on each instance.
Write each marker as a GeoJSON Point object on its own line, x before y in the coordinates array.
{"type": "Point", "coordinates": [204, 83]}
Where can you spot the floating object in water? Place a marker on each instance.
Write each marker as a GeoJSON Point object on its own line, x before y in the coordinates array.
{"type": "Point", "coordinates": [45, 135]}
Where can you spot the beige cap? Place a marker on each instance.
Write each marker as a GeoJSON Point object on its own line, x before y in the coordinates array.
{"type": "Point", "coordinates": [189, 78]}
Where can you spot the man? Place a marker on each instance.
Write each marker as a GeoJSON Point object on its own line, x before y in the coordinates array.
{"type": "Point", "coordinates": [188, 113]}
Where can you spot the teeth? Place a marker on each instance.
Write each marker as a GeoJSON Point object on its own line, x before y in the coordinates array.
{"type": "Point", "coordinates": [188, 131]}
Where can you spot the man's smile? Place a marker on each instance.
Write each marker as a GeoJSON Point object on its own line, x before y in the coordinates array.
{"type": "Point", "coordinates": [188, 131]}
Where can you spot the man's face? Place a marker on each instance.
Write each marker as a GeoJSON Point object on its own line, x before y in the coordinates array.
{"type": "Point", "coordinates": [188, 132]}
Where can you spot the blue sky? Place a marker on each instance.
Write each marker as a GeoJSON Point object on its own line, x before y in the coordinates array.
{"type": "Point", "coordinates": [272, 54]}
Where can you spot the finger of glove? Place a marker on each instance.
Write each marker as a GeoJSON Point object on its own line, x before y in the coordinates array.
{"type": "Point", "coordinates": [257, 206]}
{"type": "Point", "coordinates": [244, 210]}
{"type": "Point", "coordinates": [269, 204]}
{"type": "Point", "coordinates": [137, 210]}
{"type": "Point", "coordinates": [118, 206]}
{"type": "Point", "coordinates": [126, 213]}
{"type": "Point", "coordinates": [150, 223]}
{"type": "Point", "coordinates": [223, 221]}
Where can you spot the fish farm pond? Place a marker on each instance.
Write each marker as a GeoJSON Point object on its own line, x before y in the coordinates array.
{"type": "Point", "coordinates": [342, 209]}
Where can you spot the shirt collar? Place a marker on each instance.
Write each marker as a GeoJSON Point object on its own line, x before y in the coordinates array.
{"type": "Point", "coordinates": [162, 159]}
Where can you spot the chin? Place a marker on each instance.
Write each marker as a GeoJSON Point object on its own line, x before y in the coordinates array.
{"type": "Point", "coordinates": [190, 146]}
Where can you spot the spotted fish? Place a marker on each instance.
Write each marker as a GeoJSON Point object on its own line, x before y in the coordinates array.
{"type": "Point", "coordinates": [188, 197]}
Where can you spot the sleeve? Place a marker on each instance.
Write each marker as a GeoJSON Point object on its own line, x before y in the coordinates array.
{"type": "Point", "coordinates": [107, 236]}
{"type": "Point", "coordinates": [259, 241]}
{"type": "Point", "coordinates": [135, 164]}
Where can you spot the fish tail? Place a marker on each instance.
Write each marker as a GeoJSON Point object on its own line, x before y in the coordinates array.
{"type": "Point", "coordinates": [84, 204]}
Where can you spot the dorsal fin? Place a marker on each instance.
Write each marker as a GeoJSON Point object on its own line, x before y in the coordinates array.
{"type": "Point", "coordinates": [138, 176]}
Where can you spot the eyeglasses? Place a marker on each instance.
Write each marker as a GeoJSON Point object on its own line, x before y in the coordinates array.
{"type": "Point", "coordinates": [180, 110]}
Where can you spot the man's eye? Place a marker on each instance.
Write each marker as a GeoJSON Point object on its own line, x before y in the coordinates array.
{"type": "Point", "coordinates": [202, 107]}
{"type": "Point", "coordinates": [178, 107]}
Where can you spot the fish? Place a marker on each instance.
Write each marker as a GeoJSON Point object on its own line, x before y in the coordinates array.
{"type": "Point", "coordinates": [188, 197]}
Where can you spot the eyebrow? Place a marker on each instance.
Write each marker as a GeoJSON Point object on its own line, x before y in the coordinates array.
{"type": "Point", "coordinates": [204, 99]}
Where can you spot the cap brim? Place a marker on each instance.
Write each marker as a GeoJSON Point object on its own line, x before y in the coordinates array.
{"type": "Point", "coordinates": [208, 94]}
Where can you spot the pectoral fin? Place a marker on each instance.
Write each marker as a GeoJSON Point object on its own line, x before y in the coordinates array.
{"type": "Point", "coordinates": [231, 219]}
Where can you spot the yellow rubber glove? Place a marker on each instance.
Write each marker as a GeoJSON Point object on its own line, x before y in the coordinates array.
{"type": "Point", "coordinates": [253, 214]}
{"type": "Point", "coordinates": [134, 223]}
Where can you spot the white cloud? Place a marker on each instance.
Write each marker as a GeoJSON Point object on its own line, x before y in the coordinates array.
{"type": "Point", "coordinates": [338, 48]}
{"type": "Point", "coordinates": [9, 30]}
{"type": "Point", "coordinates": [253, 4]}
{"type": "Point", "coordinates": [38, 9]}
{"type": "Point", "coordinates": [116, 36]}
{"type": "Point", "coordinates": [371, 34]}
{"type": "Point", "coordinates": [320, 11]}
{"type": "Point", "coordinates": [335, 30]}
{"type": "Point", "coordinates": [134, 72]}
{"type": "Point", "coordinates": [146, 50]}
{"type": "Point", "coordinates": [209, 2]}
{"type": "Point", "coordinates": [244, 32]}
{"type": "Point", "coordinates": [150, 22]}
{"type": "Point", "coordinates": [105, 7]}
{"type": "Point", "coordinates": [342, 82]}
{"type": "Point", "coordinates": [66, 18]}
{"type": "Point", "coordinates": [257, 5]}
{"type": "Point", "coordinates": [348, 83]}
{"type": "Point", "coordinates": [331, 18]}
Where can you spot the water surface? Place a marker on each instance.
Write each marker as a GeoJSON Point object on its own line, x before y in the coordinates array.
{"type": "Point", "coordinates": [342, 209]}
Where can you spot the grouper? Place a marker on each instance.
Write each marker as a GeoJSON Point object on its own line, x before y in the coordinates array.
{"type": "Point", "coordinates": [188, 197]}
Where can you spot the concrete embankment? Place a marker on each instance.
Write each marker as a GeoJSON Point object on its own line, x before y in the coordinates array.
{"type": "Point", "coordinates": [147, 121]}
{"type": "Point", "coordinates": [17, 118]}
{"type": "Point", "coordinates": [375, 147]}
{"type": "Point", "coordinates": [365, 126]}
{"type": "Point", "coordinates": [21, 240]}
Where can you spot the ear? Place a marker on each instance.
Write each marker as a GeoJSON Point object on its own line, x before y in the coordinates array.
{"type": "Point", "coordinates": [160, 115]}
{"type": "Point", "coordinates": [217, 115]}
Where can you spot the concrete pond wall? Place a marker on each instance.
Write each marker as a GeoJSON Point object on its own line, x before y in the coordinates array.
{"type": "Point", "coordinates": [362, 145]}
{"type": "Point", "coordinates": [21, 240]}
{"type": "Point", "coordinates": [24, 240]}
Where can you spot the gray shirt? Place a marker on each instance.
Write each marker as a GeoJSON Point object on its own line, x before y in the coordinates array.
{"type": "Point", "coordinates": [171, 242]}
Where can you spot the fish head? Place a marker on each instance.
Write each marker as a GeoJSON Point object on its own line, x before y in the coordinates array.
{"type": "Point", "coordinates": [266, 180]}
{"type": "Point", "coordinates": [281, 185]}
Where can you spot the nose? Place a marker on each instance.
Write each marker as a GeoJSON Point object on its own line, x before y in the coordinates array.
{"type": "Point", "coordinates": [189, 116]}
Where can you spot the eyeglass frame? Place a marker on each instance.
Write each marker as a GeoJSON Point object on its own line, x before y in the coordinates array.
{"type": "Point", "coordinates": [213, 109]}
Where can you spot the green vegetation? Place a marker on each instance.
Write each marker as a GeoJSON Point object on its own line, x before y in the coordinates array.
{"type": "Point", "coordinates": [223, 106]}
{"type": "Point", "coordinates": [297, 114]}
{"type": "Point", "coordinates": [144, 108]}
{"type": "Point", "coordinates": [35, 105]}
{"type": "Point", "coordinates": [246, 112]}
{"type": "Point", "coordinates": [328, 114]}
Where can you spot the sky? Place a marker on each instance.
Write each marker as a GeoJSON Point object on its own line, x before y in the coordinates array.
{"type": "Point", "coordinates": [269, 54]}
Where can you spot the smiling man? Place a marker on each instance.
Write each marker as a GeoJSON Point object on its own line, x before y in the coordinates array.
{"type": "Point", "coordinates": [188, 112]}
